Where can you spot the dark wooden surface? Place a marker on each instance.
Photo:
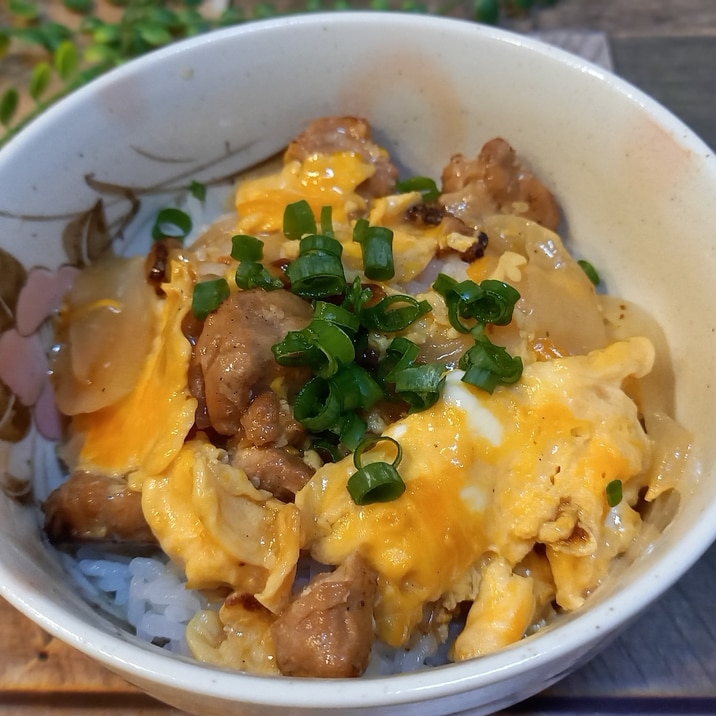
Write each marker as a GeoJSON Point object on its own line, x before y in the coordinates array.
{"type": "Point", "coordinates": [665, 662]}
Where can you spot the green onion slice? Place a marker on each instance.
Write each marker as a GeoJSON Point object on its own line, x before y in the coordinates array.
{"type": "Point", "coordinates": [320, 243]}
{"type": "Point", "coordinates": [298, 220]}
{"type": "Point", "coordinates": [591, 272]}
{"type": "Point", "coordinates": [614, 493]}
{"type": "Point", "coordinates": [171, 223]}
{"type": "Point", "coordinates": [198, 190]}
{"type": "Point", "coordinates": [375, 481]}
{"type": "Point", "coordinates": [376, 244]}
{"type": "Point", "coordinates": [327, 221]}
{"type": "Point", "coordinates": [490, 301]}
{"type": "Point", "coordinates": [323, 346]}
{"type": "Point", "coordinates": [394, 313]}
{"type": "Point", "coordinates": [208, 296]}
{"type": "Point", "coordinates": [425, 185]}
{"type": "Point", "coordinates": [487, 365]}
{"type": "Point", "coordinates": [420, 385]}
{"type": "Point", "coordinates": [318, 405]}
{"type": "Point", "coordinates": [352, 431]}
{"type": "Point", "coordinates": [316, 275]}
{"type": "Point", "coordinates": [246, 248]}
{"type": "Point", "coordinates": [342, 317]}
{"type": "Point", "coordinates": [250, 274]}
{"type": "Point", "coordinates": [297, 348]}
{"type": "Point", "coordinates": [399, 355]}
{"type": "Point", "coordinates": [335, 345]}
{"type": "Point", "coordinates": [358, 390]}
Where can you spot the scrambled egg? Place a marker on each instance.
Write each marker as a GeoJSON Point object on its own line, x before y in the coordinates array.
{"type": "Point", "coordinates": [142, 432]}
{"type": "Point", "coordinates": [492, 475]}
{"type": "Point", "coordinates": [505, 504]}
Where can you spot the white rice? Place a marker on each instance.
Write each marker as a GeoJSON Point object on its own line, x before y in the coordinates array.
{"type": "Point", "coordinates": [147, 594]}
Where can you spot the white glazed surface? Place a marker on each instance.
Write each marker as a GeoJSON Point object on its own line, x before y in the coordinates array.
{"type": "Point", "coordinates": [639, 195]}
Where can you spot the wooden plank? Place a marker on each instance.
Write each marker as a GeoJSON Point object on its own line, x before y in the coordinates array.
{"type": "Point", "coordinates": [679, 72]}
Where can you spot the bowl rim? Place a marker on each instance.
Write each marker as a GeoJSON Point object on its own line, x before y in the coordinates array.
{"type": "Point", "coordinates": [135, 660]}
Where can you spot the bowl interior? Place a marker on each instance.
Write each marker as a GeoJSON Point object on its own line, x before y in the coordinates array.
{"type": "Point", "coordinates": [638, 192]}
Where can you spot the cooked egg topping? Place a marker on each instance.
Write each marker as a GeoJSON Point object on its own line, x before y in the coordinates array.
{"type": "Point", "coordinates": [506, 507]}
{"type": "Point", "coordinates": [140, 433]}
{"type": "Point", "coordinates": [490, 474]}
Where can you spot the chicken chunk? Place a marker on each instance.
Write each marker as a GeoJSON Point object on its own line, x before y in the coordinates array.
{"type": "Point", "coordinates": [495, 182]}
{"type": "Point", "coordinates": [281, 471]}
{"type": "Point", "coordinates": [95, 509]}
{"type": "Point", "coordinates": [269, 421]}
{"type": "Point", "coordinates": [347, 134]}
{"type": "Point", "coordinates": [232, 361]}
{"type": "Point", "coordinates": [327, 631]}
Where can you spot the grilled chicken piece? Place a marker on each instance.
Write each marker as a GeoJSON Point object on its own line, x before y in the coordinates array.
{"type": "Point", "coordinates": [347, 134]}
{"type": "Point", "coordinates": [232, 361]}
{"type": "Point", "coordinates": [495, 182]}
{"type": "Point", "coordinates": [281, 471]}
{"type": "Point", "coordinates": [327, 631]}
{"type": "Point", "coordinates": [96, 509]}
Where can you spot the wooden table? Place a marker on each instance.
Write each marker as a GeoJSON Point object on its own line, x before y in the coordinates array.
{"type": "Point", "coordinates": [666, 661]}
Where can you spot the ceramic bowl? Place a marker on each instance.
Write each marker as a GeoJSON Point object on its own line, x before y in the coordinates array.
{"type": "Point", "coordinates": [638, 191]}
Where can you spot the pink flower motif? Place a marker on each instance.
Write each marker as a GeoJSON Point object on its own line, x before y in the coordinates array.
{"type": "Point", "coordinates": [23, 356]}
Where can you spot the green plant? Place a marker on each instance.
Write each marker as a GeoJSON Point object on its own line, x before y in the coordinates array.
{"type": "Point", "coordinates": [101, 34]}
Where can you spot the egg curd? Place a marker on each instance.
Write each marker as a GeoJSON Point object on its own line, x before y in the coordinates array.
{"type": "Point", "coordinates": [509, 515]}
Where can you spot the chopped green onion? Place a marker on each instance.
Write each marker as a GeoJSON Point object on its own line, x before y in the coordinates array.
{"type": "Point", "coordinates": [321, 445]}
{"type": "Point", "coordinates": [321, 345]}
{"type": "Point", "coordinates": [327, 221]}
{"type": "Point", "coordinates": [614, 493]}
{"type": "Point", "coordinates": [376, 244]}
{"type": "Point", "coordinates": [342, 317]}
{"type": "Point", "coordinates": [246, 248]}
{"type": "Point", "coordinates": [335, 345]}
{"type": "Point", "coordinates": [357, 296]}
{"type": "Point", "coordinates": [399, 355]}
{"type": "Point", "coordinates": [298, 220]}
{"type": "Point", "coordinates": [420, 385]}
{"type": "Point", "coordinates": [490, 301]}
{"type": "Point", "coordinates": [208, 296]}
{"type": "Point", "coordinates": [487, 365]}
{"type": "Point", "coordinates": [250, 274]}
{"type": "Point", "coordinates": [358, 390]}
{"type": "Point", "coordinates": [317, 272]}
{"type": "Point", "coordinates": [352, 431]}
{"type": "Point", "coordinates": [198, 190]}
{"type": "Point", "coordinates": [171, 223]}
{"type": "Point", "coordinates": [389, 319]}
{"type": "Point", "coordinates": [296, 348]}
{"type": "Point", "coordinates": [248, 251]}
{"type": "Point", "coordinates": [591, 272]}
{"type": "Point", "coordinates": [318, 405]}
{"type": "Point", "coordinates": [316, 275]}
{"type": "Point", "coordinates": [375, 481]}
{"type": "Point", "coordinates": [425, 185]}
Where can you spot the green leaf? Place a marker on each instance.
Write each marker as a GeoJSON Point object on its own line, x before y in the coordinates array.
{"type": "Point", "coordinates": [263, 10]}
{"type": "Point", "coordinates": [79, 6]}
{"type": "Point", "coordinates": [231, 16]}
{"type": "Point", "coordinates": [39, 80]}
{"type": "Point", "coordinates": [108, 33]}
{"type": "Point", "coordinates": [487, 11]}
{"type": "Point", "coordinates": [4, 42]}
{"type": "Point", "coordinates": [100, 54]}
{"type": "Point", "coordinates": [66, 60]}
{"type": "Point", "coordinates": [31, 35]}
{"type": "Point", "coordinates": [25, 9]}
{"type": "Point", "coordinates": [154, 34]}
{"type": "Point", "coordinates": [8, 105]}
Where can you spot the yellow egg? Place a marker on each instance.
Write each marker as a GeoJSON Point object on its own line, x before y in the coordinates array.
{"type": "Point", "coordinates": [484, 474]}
